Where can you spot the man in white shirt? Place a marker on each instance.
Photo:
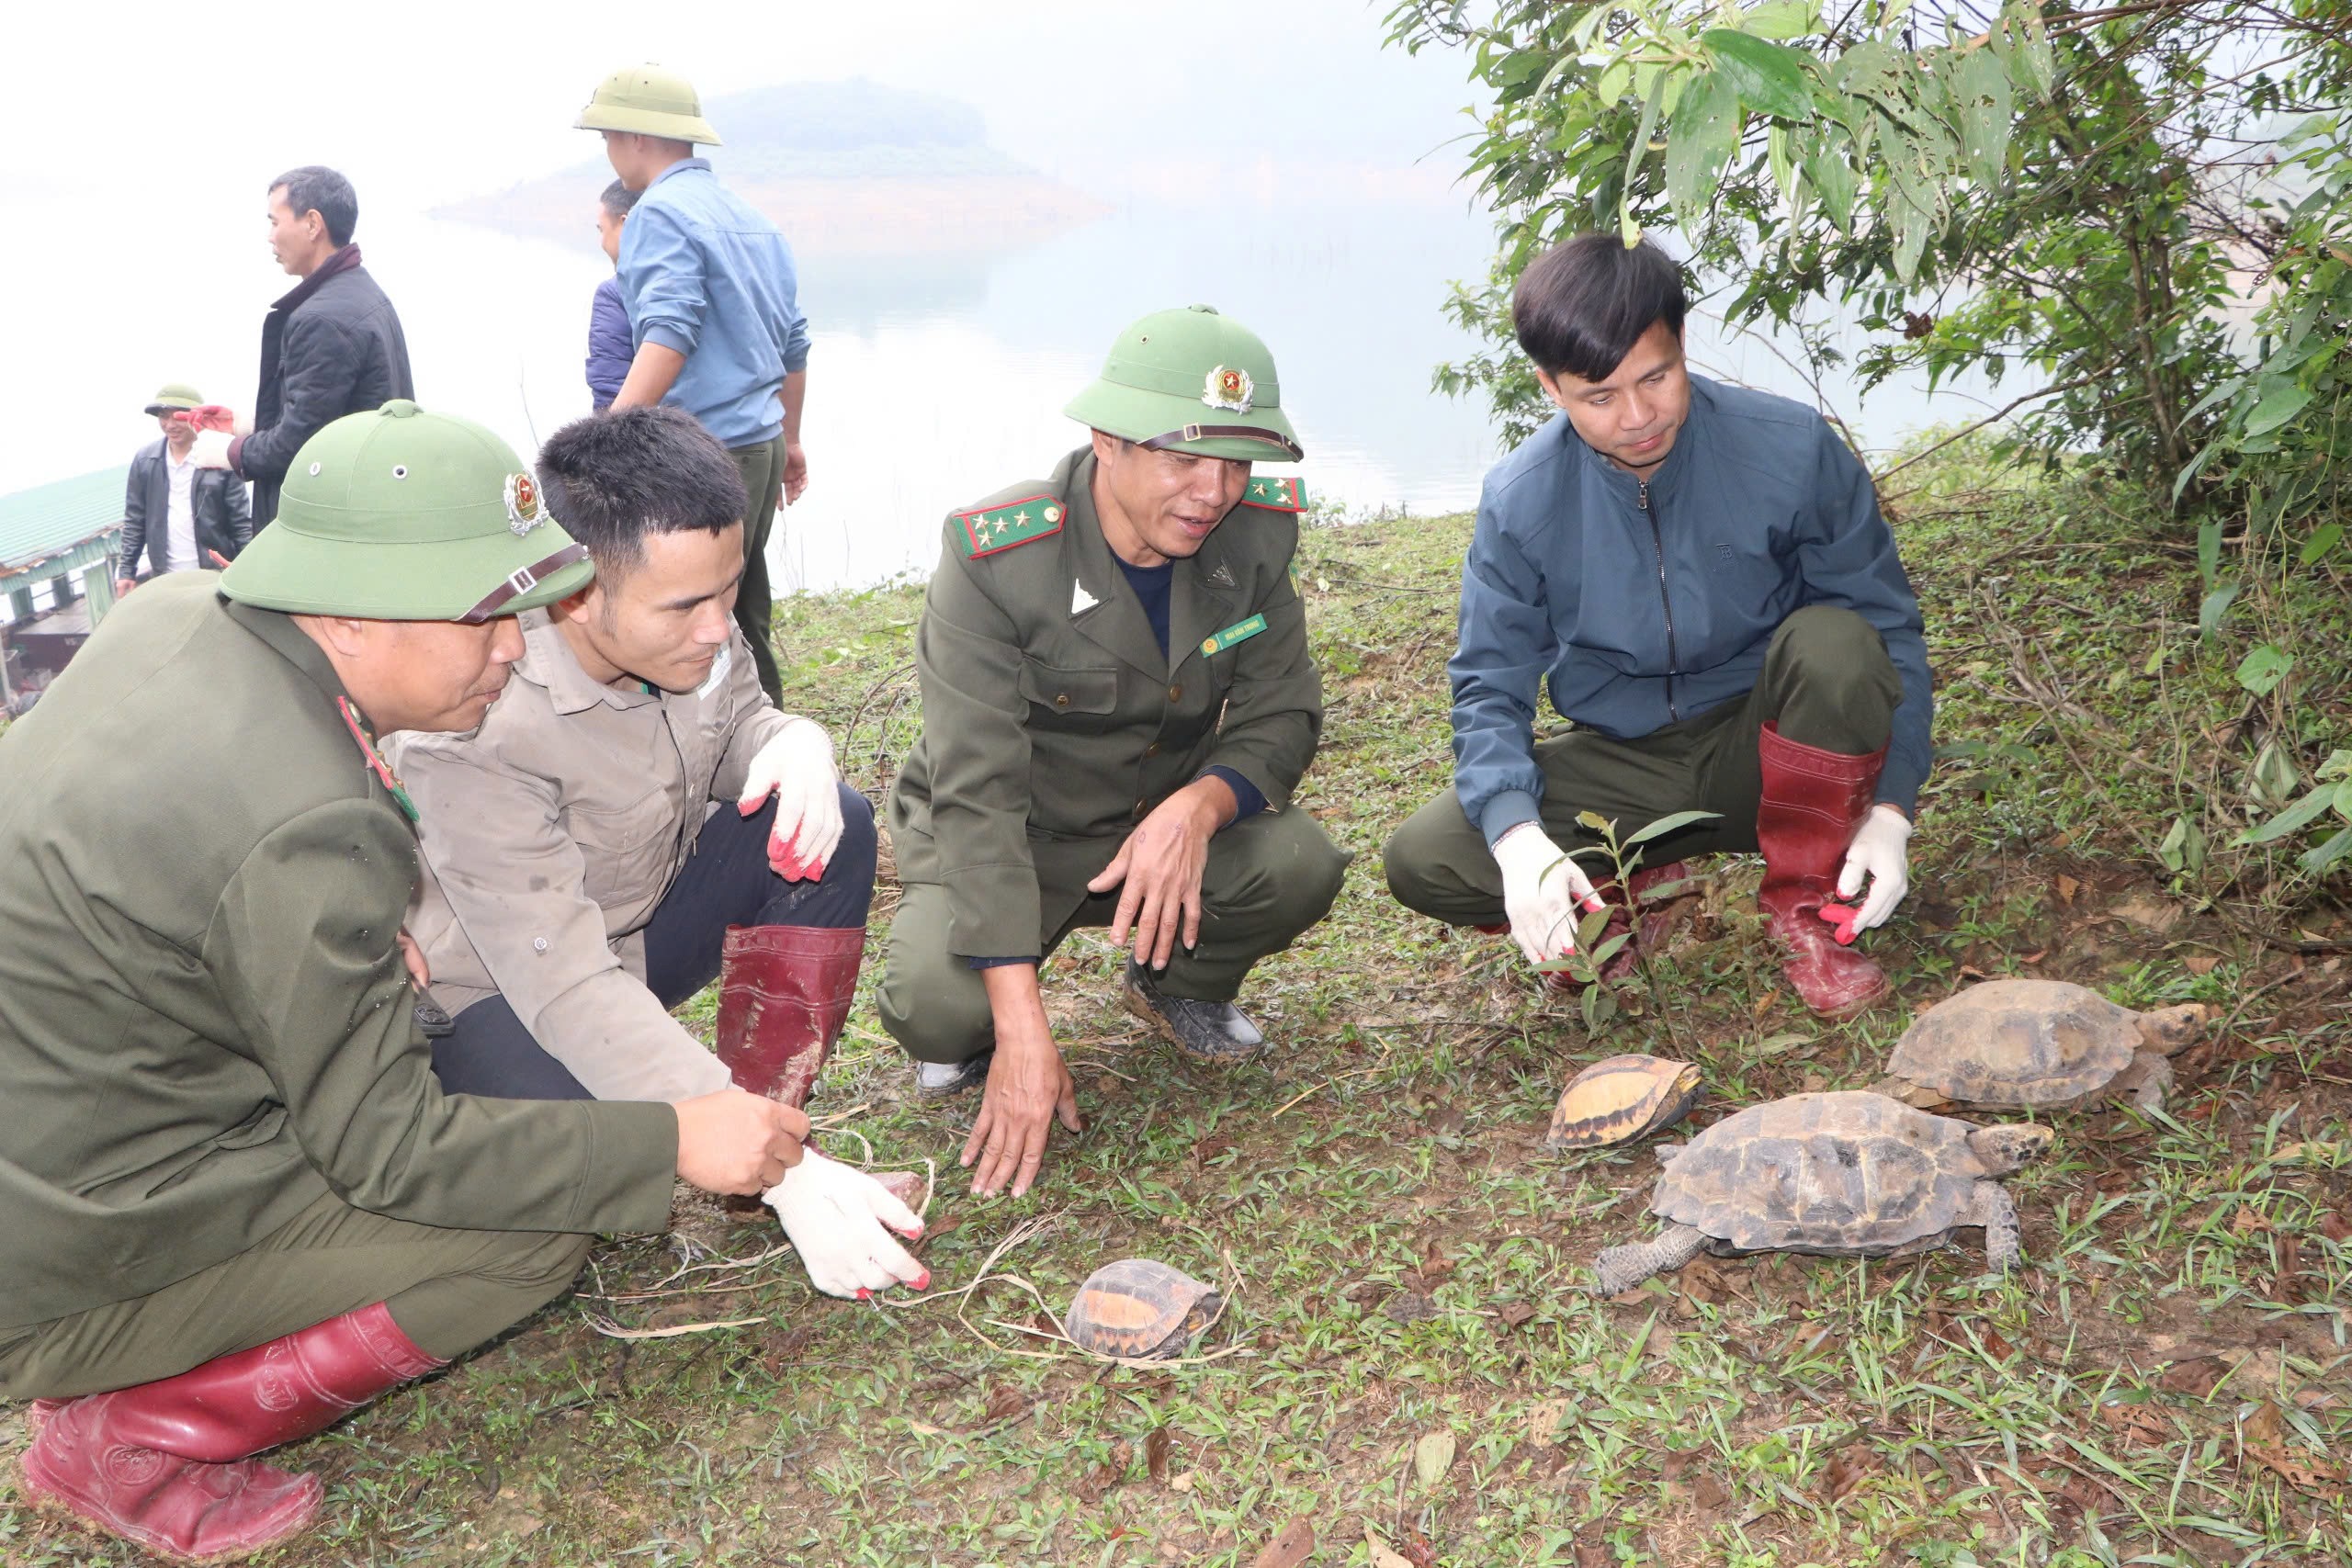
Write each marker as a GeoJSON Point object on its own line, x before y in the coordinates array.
{"type": "Point", "coordinates": [178, 516]}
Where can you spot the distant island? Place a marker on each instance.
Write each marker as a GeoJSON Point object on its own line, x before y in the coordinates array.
{"type": "Point", "coordinates": [843, 168]}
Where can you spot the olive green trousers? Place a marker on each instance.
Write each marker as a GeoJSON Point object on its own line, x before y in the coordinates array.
{"type": "Point", "coordinates": [449, 1290]}
{"type": "Point", "coordinates": [761, 466]}
{"type": "Point", "coordinates": [1829, 683]}
{"type": "Point", "coordinates": [1267, 879]}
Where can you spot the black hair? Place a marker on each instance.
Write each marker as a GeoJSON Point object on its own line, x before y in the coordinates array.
{"type": "Point", "coordinates": [1581, 306]}
{"type": "Point", "coordinates": [611, 479]}
{"type": "Point", "coordinates": [617, 200]}
{"type": "Point", "coordinates": [313, 187]}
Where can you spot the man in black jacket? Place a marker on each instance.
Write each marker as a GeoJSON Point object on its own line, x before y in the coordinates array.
{"type": "Point", "coordinates": [332, 346]}
{"type": "Point", "coordinates": [176, 514]}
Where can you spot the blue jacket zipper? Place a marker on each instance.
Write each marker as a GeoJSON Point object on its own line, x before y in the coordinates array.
{"type": "Point", "coordinates": [1658, 543]}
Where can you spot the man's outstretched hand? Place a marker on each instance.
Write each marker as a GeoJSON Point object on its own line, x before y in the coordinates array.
{"type": "Point", "coordinates": [1029, 1086]}
{"type": "Point", "coordinates": [840, 1221]}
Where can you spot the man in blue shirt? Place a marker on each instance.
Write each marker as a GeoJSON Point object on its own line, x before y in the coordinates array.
{"type": "Point", "coordinates": [711, 294]}
{"type": "Point", "coordinates": [610, 346]}
{"type": "Point", "coordinates": [1700, 576]}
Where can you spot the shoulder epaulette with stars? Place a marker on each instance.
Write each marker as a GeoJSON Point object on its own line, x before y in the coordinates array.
{"type": "Point", "coordinates": [1275, 495]}
{"type": "Point", "coordinates": [985, 530]}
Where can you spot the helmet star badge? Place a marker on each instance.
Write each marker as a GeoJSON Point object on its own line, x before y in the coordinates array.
{"type": "Point", "coordinates": [524, 511]}
{"type": "Point", "coordinates": [1229, 389]}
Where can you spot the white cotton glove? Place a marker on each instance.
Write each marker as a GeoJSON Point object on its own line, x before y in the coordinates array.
{"type": "Point", "coordinates": [212, 450]}
{"type": "Point", "coordinates": [1542, 890]}
{"type": "Point", "coordinates": [835, 1217]}
{"type": "Point", "coordinates": [1882, 853]}
{"type": "Point", "coordinates": [797, 768]}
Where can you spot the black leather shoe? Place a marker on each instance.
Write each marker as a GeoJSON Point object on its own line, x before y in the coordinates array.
{"type": "Point", "coordinates": [1206, 1032]}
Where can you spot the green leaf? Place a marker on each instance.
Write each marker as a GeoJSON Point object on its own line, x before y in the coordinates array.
{"type": "Point", "coordinates": [1705, 133]}
{"type": "Point", "coordinates": [2209, 551]}
{"type": "Point", "coordinates": [1833, 176]}
{"type": "Point", "coordinates": [1782, 19]}
{"type": "Point", "coordinates": [1610, 85]}
{"type": "Point", "coordinates": [1432, 1456]}
{"type": "Point", "coordinates": [1599, 1006]}
{"type": "Point", "coordinates": [1666, 825]}
{"type": "Point", "coordinates": [2182, 848]}
{"type": "Point", "coordinates": [2327, 854]}
{"type": "Point", "coordinates": [2320, 543]}
{"type": "Point", "coordinates": [1769, 77]}
{"type": "Point", "coordinates": [1982, 104]}
{"type": "Point", "coordinates": [1627, 228]}
{"type": "Point", "coordinates": [2261, 671]}
{"type": "Point", "coordinates": [2276, 409]}
{"type": "Point", "coordinates": [2190, 471]}
{"type": "Point", "coordinates": [1593, 821]}
{"type": "Point", "coordinates": [2344, 800]}
{"type": "Point", "coordinates": [2296, 817]}
{"type": "Point", "coordinates": [2215, 606]}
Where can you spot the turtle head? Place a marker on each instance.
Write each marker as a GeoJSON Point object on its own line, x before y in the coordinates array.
{"type": "Point", "coordinates": [2170, 1030]}
{"type": "Point", "coordinates": [2005, 1146]}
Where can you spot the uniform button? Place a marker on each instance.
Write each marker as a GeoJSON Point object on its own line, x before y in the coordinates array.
{"type": "Point", "coordinates": [1175, 694]}
{"type": "Point", "coordinates": [1152, 750]}
{"type": "Point", "coordinates": [1061, 699]}
{"type": "Point", "coordinates": [1139, 810]}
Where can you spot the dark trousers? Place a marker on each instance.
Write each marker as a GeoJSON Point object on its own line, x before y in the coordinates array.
{"type": "Point", "coordinates": [1269, 877]}
{"type": "Point", "coordinates": [1827, 683]}
{"type": "Point", "coordinates": [726, 882]}
{"type": "Point", "coordinates": [761, 466]}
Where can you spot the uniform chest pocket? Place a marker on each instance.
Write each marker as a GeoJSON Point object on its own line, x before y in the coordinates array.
{"type": "Point", "coordinates": [607, 831]}
{"type": "Point", "coordinates": [1070, 691]}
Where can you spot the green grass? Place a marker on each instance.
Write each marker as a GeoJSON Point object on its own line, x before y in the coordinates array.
{"type": "Point", "coordinates": [2167, 1381]}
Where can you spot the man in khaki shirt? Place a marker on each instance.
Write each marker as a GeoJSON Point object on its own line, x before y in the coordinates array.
{"type": "Point", "coordinates": [636, 818]}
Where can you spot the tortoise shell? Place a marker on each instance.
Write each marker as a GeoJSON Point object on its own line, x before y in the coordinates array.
{"type": "Point", "coordinates": [2019, 1044]}
{"type": "Point", "coordinates": [1139, 1309]}
{"type": "Point", "coordinates": [1620, 1099]}
{"type": "Point", "coordinates": [1850, 1174]}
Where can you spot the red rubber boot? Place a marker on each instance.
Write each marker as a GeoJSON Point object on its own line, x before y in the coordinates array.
{"type": "Point", "coordinates": [165, 1464]}
{"type": "Point", "coordinates": [783, 993]}
{"type": "Point", "coordinates": [1812, 802]}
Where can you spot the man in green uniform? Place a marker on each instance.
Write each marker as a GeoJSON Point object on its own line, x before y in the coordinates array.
{"type": "Point", "coordinates": [1117, 704]}
{"type": "Point", "coordinates": [238, 1206]}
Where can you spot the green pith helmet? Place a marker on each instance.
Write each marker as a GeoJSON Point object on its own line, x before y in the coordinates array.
{"type": "Point", "coordinates": [1193, 381]}
{"type": "Point", "coordinates": [406, 515]}
{"type": "Point", "coordinates": [175, 395]}
{"type": "Point", "coordinates": [650, 101]}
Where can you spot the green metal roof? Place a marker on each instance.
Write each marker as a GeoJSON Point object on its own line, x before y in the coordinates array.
{"type": "Point", "coordinates": [46, 519]}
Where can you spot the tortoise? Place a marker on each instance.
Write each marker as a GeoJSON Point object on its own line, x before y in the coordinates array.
{"type": "Point", "coordinates": [1141, 1309]}
{"type": "Point", "coordinates": [1620, 1099]}
{"type": "Point", "coordinates": [2035, 1045]}
{"type": "Point", "coordinates": [1848, 1174]}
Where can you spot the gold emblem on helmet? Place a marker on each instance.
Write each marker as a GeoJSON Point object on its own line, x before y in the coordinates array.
{"type": "Point", "coordinates": [524, 511]}
{"type": "Point", "coordinates": [1229, 389]}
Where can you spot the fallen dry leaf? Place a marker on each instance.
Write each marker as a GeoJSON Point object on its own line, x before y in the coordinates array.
{"type": "Point", "coordinates": [2334, 1226]}
{"type": "Point", "coordinates": [1381, 1556]}
{"type": "Point", "coordinates": [2196, 1377]}
{"type": "Point", "coordinates": [1847, 1469]}
{"type": "Point", "coordinates": [2202, 963]}
{"type": "Point", "coordinates": [1006, 1402]}
{"type": "Point", "coordinates": [1516, 1315]}
{"type": "Point", "coordinates": [1155, 1453]}
{"type": "Point", "coordinates": [2268, 1445]}
{"type": "Point", "coordinates": [1181, 1482]}
{"type": "Point", "coordinates": [1709, 1495]}
{"type": "Point", "coordinates": [2067, 888]}
{"type": "Point", "coordinates": [1543, 1421]}
{"type": "Point", "coordinates": [1208, 1149]}
{"type": "Point", "coordinates": [2248, 1219]}
{"type": "Point", "coordinates": [1288, 1550]}
{"type": "Point", "coordinates": [1106, 1474]}
{"type": "Point", "coordinates": [2137, 1426]}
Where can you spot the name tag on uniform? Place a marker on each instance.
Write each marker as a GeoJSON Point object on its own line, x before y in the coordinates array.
{"type": "Point", "coordinates": [1239, 631]}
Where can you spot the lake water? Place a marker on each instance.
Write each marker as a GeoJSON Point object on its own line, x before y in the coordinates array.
{"type": "Point", "coordinates": [936, 381]}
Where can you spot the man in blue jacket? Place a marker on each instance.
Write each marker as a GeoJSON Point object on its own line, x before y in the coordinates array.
{"type": "Point", "coordinates": [1700, 576]}
{"type": "Point", "coordinates": [610, 347]}
{"type": "Point", "coordinates": [713, 308]}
